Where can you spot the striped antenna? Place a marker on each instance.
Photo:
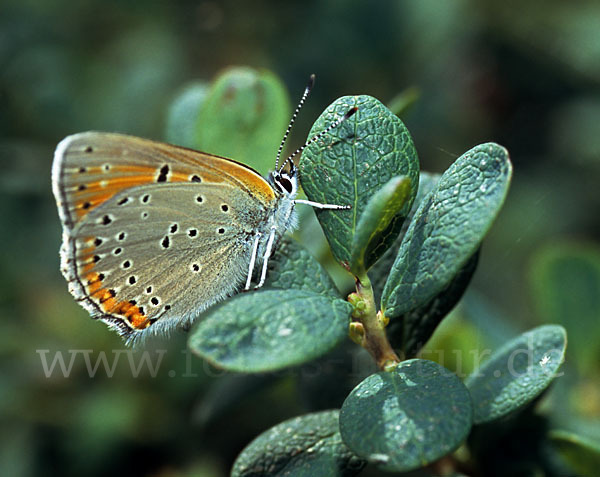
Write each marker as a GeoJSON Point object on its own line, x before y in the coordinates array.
{"type": "Point", "coordinates": [309, 86]}
{"type": "Point", "coordinates": [320, 135]}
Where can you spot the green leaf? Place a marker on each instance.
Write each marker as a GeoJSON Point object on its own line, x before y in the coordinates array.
{"type": "Point", "coordinates": [308, 445]}
{"type": "Point", "coordinates": [270, 329]}
{"type": "Point", "coordinates": [447, 228]}
{"type": "Point", "coordinates": [379, 272]}
{"type": "Point", "coordinates": [294, 267]}
{"type": "Point", "coordinates": [407, 418]}
{"type": "Point", "coordinates": [244, 117]}
{"type": "Point", "coordinates": [382, 214]}
{"type": "Point", "coordinates": [411, 331]}
{"type": "Point", "coordinates": [565, 279]}
{"type": "Point", "coordinates": [582, 454]}
{"type": "Point", "coordinates": [183, 114]}
{"type": "Point", "coordinates": [517, 373]}
{"type": "Point", "coordinates": [352, 162]}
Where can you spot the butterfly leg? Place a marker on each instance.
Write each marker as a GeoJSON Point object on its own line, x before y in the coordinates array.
{"type": "Point", "coordinates": [317, 205]}
{"type": "Point", "coordinates": [268, 251]}
{"type": "Point", "coordinates": [252, 261]}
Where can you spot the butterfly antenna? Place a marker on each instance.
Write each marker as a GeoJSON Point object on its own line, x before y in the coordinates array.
{"type": "Point", "coordinates": [309, 86]}
{"type": "Point", "coordinates": [333, 125]}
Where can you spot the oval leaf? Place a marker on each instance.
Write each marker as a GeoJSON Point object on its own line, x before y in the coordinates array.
{"type": "Point", "coordinates": [244, 117]}
{"type": "Point", "coordinates": [517, 373]}
{"type": "Point", "coordinates": [447, 228]}
{"type": "Point", "coordinates": [352, 162]}
{"type": "Point", "coordinates": [308, 445]}
{"type": "Point", "coordinates": [406, 418]}
{"type": "Point", "coordinates": [270, 329]}
{"type": "Point", "coordinates": [293, 266]}
{"type": "Point", "coordinates": [382, 215]}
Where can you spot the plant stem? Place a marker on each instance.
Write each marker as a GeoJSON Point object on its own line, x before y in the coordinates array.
{"type": "Point", "coordinates": [368, 328]}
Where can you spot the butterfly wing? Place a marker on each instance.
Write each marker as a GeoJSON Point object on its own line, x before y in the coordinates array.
{"type": "Point", "coordinates": [153, 233]}
{"type": "Point", "coordinates": [89, 168]}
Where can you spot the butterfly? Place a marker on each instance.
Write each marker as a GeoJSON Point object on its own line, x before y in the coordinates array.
{"type": "Point", "coordinates": [154, 234]}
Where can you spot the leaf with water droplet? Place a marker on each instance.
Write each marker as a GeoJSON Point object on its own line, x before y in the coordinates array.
{"type": "Point", "coordinates": [517, 373]}
{"type": "Point", "coordinates": [268, 330]}
{"type": "Point", "coordinates": [565, 279]}
{"type": "Point", "coordinates": [407, 418]}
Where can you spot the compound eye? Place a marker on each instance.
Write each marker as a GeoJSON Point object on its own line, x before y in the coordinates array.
{"type": "Point", "coordinates": [286, 184]}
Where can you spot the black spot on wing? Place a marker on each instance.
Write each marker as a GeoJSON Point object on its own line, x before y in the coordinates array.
{"type": "Point", "coordinates": [164, 171]}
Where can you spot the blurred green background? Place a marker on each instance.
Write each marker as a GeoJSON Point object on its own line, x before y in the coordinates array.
{"type": "Point", "coordinates": [523, 74]}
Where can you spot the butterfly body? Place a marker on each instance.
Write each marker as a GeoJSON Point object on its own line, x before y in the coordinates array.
{"type": "Point", "coordinates": [154, 234]}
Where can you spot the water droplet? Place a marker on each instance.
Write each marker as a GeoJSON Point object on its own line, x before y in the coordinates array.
{"type": "Point", "coordinates": [407, 380]}
{"type": "Point", "coordinates": [374, 386]}
{"type": "Point", "coordinates": [379, 458]}
{"type": "Point", "coordinates": [482, 188]}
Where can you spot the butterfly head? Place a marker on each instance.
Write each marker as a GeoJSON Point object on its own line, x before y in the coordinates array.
{"type": "Point", "coordinates": [285, 182]}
